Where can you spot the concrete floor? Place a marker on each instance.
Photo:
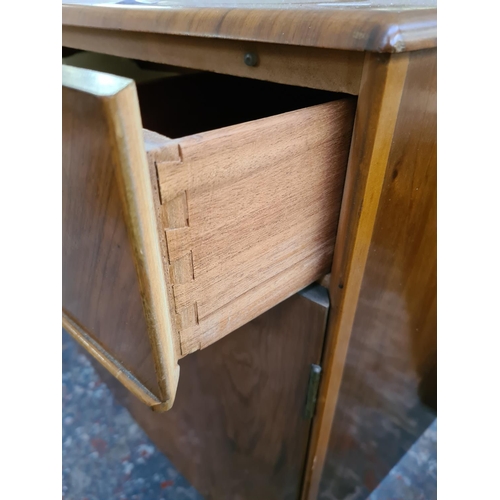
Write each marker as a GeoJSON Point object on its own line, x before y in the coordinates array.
{"type": "Point", "coordinates": [106, 455]}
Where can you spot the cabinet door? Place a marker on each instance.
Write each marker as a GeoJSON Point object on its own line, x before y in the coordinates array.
{"type": "Point", "coordinates": [238, 428]}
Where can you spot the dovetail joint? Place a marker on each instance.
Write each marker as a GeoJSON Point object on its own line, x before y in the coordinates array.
{"type": "Point", "coordinates": [176, 221]}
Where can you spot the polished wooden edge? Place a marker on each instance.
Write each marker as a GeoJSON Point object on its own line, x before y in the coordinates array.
{"type": "Point", "coordinates": [356, 225]}
{"type": "Point", "coordinates": [110, 363]}
{"type": "Point", "coordinates": [121, 109]}
{"type": "Point", "coordinates": [363, 29]}
{"type": "Point", "coordinates": [93, 82]}
{"type": "Point", "coordinates": [134, 181]}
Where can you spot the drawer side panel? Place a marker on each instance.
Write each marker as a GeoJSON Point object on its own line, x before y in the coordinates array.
{"type": "Point", "coordinates": [250, 214]}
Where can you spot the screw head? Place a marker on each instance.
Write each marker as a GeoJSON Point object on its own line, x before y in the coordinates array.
{"type": "Point", "coordinates": [250, 59]}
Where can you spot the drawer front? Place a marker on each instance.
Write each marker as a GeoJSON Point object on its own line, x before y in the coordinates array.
{"type": "Point", "coordinates": [114, 295]}
{"type": "Point", "coordinates": [171, 244]}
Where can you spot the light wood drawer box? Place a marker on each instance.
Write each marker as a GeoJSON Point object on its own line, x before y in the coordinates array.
{"type": "Point", "coordinates": [169, 244]}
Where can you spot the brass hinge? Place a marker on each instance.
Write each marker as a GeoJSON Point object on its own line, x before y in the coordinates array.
{"type": "Point", "coordinates": [312, 391]}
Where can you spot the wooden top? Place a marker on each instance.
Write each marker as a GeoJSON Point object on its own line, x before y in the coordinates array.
{"type": "Point", "coordinates": [381, 26]}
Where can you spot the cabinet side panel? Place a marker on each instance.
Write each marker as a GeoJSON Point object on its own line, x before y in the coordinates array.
{"type": "Point", "coordinates": [388, 385]}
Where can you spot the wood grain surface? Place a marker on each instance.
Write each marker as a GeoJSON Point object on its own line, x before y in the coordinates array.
{"type": "Point", "coordinates": [393, 164]}
{"type": "Point", "coordinates": [228, 259]}
{"type": "Point", "coordinates": [334, 70]}
{"type": "Point", "coordinates": [108, 361]}
{"type": "Point", "coordinates": [250, 214]}
{"type": "Point", "coordinates": [390, 365]}
{"type": "Point", "coordinates": [237, 429]}
{"type": "Point", "coordinates": [396, 27]}
{"type": "Point", "coordinates": [378, 104]}
{"type": "Point", "coordinates": [113, 275]}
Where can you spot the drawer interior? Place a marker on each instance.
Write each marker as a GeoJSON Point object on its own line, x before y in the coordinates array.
{"type": "Point", "coordinates": [177, 102]}
{"type": "Point", "coordinates": [189, 104]}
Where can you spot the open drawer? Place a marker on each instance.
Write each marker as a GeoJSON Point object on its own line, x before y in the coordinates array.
{"type": "Point", "coordinates": [169, 244]}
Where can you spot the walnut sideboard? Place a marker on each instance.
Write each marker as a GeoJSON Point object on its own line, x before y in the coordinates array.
{"type": "Point", "coordinates": [249, 244]}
